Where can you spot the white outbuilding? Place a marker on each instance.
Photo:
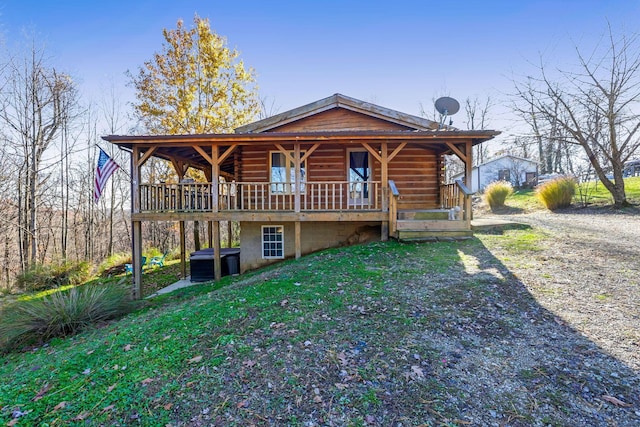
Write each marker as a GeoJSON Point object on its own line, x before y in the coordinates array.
{"type": "Point", "coordinates": [518, 171]}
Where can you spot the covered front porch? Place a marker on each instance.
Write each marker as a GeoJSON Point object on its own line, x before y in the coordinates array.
{"type": "Point", "coordinates": [404, 174]}
{"type": "Point", "coordinates": [307, 179]}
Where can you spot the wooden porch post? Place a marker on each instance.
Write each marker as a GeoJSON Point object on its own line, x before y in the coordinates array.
{"type": "Point", "coordinates": [183, 250]}
{"type": "Point", "coordinates": [136, 226]}
{"type": "Point", "coordinates": [298, 180]}
{"type": "Point", "coordinates": [468, 180]}
{"type": "Point", "coordinates": [209, 178]}
{"type": "Point", "coordinates": [215, 189]}
{"type": "Point", "coordinates": [384, 228]}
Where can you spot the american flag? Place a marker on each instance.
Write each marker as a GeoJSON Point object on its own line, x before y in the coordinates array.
{"type": "Point", "coordinates": [106, 167]}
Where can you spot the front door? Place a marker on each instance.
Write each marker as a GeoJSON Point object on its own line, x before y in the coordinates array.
{"type": "Point", "coordinates": [359, 174]}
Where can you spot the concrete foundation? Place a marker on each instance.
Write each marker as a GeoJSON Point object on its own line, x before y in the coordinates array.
{"type": "Point", "coordinates": [314, 236]}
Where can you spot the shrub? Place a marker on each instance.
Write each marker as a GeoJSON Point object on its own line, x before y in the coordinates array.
{"type": "Point", "coordinates": [61, 313]}
{"type": "Point", "coordinates": [557, 193]}
{"type": "Point", "coordinates": [42, 277]}
{"type": "Point", "coordinates": [496, 193]}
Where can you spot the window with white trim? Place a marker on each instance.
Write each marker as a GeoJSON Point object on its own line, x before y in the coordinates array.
{"type": "Point", "coordinates": [283, 173]}
{"type": "Point", "coordinates": [272, 241]}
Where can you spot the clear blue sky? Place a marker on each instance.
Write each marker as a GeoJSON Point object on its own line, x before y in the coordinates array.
{"type": "Point", "coordinates": [398, 54]}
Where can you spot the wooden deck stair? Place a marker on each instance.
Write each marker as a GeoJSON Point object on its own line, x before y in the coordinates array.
{"type": "Point", "coordinates": [428, 225]}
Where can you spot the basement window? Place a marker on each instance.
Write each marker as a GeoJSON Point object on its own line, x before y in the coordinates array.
{"type": "Point", "coordinates": [272, 241]}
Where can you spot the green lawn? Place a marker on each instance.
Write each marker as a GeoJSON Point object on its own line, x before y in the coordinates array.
{"type": "Point", "coordinates": [364, 335]}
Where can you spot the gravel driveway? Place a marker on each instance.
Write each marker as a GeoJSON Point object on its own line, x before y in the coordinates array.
{"type": "Point", "coordinates": [588, 274]}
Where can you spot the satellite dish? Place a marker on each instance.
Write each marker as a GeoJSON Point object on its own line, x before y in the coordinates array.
{"type": "Point", "coordinates": [446, 106]}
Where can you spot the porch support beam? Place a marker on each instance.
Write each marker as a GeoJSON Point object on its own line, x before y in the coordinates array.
{"type": "Point", "coordinates": [298, 177]}
{"type": "Point", "coordinates": [136, 259]}
{"type": "Point", "coordinates": [136, 226]}
{"type": "Point", "coordinates": [146, 156]}
{"type": "Point", "coordinates": [396, 151]}
{"type": "Point", "coordinates": [384, 172]}
{"type": "Point", "coordinates": [180, 167]}
{"type": "Point", "coordinates": [457, 151]}
{"type": "Point", "coordinates": [309, 152]}
{"type": "Point", "coordinates": [204, 154]}
{"type": "Point", "coordinates": [217, 264]}
{"type": "Point", "coordinates": [215, 205]}
{"type": "Point", "coordinates": [226, 154]}
{"type": "Point", "coordinates": [371, 151]}
{"type": "Point", "coordinates": [468, 180]}
{"type": "Point", "coordinates": [183, 252]}
{"type": "Point", "coordinates": [298, 239]}
{"type": "Point", "coordinates": [298, 180]}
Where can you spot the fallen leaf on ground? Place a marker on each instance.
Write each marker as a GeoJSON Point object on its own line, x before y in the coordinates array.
{"type": "Point", "coordinates": [12, 422]}
{"type": "Point", "coordinates": [249, 363]}
{"type": "Point", "coordinates": [127, 347]}
{"type": "Point", "coordinates": [81, 416]}
{"type": "Point", "coordinates": [168, 406]}
{"type": "Point", "coordinates": [284, 302]}
{"type": "Point", "coordinates": [195, 359]}
{"type": "Point", "coordinates": [614, 400]}
{"type": "Point", "coordinates": [59, 406]}
{"type": "Point", "coordinates": [147, 381]}
{"type": "Point", "coordinates": [45, 388]}
{"type": "Point", "coordinates": [111, 387]}
{"type": "Point", "coordinates": [242, 404]}
{"type": "Point", "coordinates": [108, 408]}
{"type": "Point", "coordinates": [416, 372]}
{"type": "Point", "coordinates": [343, 358]}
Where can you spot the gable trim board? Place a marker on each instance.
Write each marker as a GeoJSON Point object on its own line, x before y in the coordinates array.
{"type": "Point", "coordinates": [339, 101]}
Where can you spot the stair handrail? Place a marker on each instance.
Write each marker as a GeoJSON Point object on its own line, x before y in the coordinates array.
{"type": "Point", "coordinates": [393, 206]}
{"type": "Point", "coordinates": [465, 200]}
{"type": "Point", "coordinates": [463, 187]}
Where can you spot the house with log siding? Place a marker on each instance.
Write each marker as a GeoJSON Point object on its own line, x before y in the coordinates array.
{"type": "Point", "coordinates": [307, 179]}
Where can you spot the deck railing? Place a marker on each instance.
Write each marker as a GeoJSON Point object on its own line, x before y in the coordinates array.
{"type": "Point", "coordinates": [261, 196]}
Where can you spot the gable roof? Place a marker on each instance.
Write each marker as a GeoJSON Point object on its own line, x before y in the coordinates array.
{"type": "Point", "coordinates": [511, 156]}
{"type": "Point", "coordinates": [339, 101]}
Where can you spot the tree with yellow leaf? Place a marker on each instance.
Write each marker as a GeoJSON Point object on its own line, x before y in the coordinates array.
{"type": "Point", "coordinates": [195, 85]}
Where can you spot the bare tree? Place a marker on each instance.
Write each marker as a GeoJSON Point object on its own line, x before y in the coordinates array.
{"type": "Point", "coordinates": [33, 107]}
{"type": "Point", "coordinates": [595, 107]}
{"type": "Point", "coordinates": [112, 111]}
{"type": "Point", "coordinates": [477, 115]}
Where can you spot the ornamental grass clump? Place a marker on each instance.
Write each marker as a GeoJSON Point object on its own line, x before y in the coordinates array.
{"type": "Point", "coordinates": [557, 193]}
{"type": "Point", "coordinates": [60, 314]}
{"type": "Point", "coordinates": [496, 193]}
